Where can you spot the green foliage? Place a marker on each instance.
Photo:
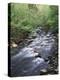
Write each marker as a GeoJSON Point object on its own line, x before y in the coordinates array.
{"type": "Point", "coordinates": [53, 16]}
{"type": "Point", "coordinates": [26, 17]}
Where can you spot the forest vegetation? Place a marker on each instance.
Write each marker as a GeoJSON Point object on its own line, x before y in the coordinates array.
{"type": "Point", "coordinates": [25, 18]}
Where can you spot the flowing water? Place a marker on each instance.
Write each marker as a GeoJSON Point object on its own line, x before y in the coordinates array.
{"type": "Point", "coordinates": [35, 57]}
